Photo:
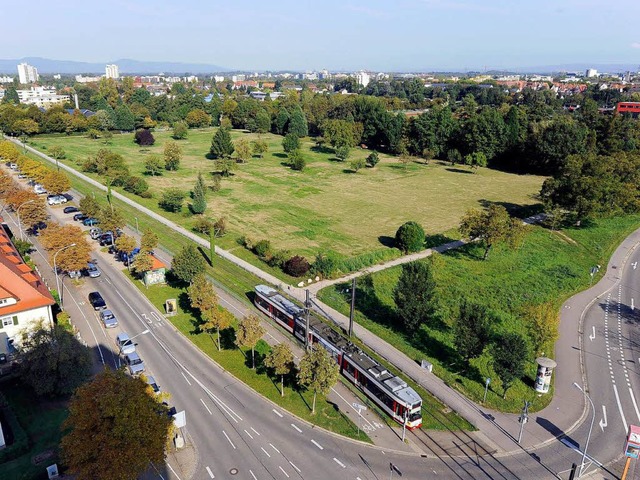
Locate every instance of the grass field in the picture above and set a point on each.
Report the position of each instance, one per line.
(546, 268)
(326, 207)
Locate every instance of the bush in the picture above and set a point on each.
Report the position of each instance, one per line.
(93, 134)
(296, 266)
(246, 242)
(57, 152)
(144, 137)
(217, 181)
(172, 199)
(357, 164)
(342, 153)
(20, 443)
(203, 224)
(136, 185)
(325, 266)
(180, 130)
(279, 258)
(410, 237)
(220, 227)
(373, 159)
(263, 249)
(297, 160)
(290, 143)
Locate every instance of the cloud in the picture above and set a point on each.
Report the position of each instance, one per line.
(635, 45)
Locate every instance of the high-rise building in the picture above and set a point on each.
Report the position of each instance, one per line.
(363, 78)
(27, 73)
(591, 72)
(111, 71)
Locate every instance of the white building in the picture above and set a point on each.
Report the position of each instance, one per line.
(238, 78)
(363, 78)
(111, 71)
(218, 78)
(591, 72)
(27, 73)
(6, 79)
(44, 97)
(82, 79)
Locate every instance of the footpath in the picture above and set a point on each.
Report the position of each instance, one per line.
(497, 431)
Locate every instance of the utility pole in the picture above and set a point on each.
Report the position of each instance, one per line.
(307, 304)
(353, 306)
(523, 418)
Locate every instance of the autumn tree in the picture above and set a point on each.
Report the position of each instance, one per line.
(318, 372)
(114, 428)
(172, 155)
(52, 361)
(202, 294)
(32, 212)
(218, 319)
(280, 359)
(8, 150)
(243, 150)
(198, 118)
(188, 263)
(89, 206)
(260, 147)
(126, 244)
(56, 182)
(149, 240)
(56, 236)
(492, 227)
(248, 333)
(110, 219)
(542, 322)
(143, 262)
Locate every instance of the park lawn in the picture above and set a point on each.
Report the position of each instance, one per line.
(547, 268)
(42, 420)
(326, 207)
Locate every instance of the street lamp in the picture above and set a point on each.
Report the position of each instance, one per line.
(55, 272)
(144, 332)
(584, 453)
(18, 213)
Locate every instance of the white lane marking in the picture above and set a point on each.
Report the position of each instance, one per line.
(265, 452)
(339, 462)
(156, 316)
(593, 335)
(274, 448)
(624, 421)
(255, 431)
(174, 472)
(250, 436)
(573, 446)
(144, 315)
(254, 477)
(603, 421)
(185, 377)
(317, 444)
(287, 475)
(635, 405)
(292, 464)
(228, 439)
(294, 426)
(210, 473)
(634, 264)
(277, 413)
(205, 406)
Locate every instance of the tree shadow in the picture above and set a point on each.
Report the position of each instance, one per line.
(515, 209)
(228, 339)
(369, 304)
(458, 170)
(387, 241)
(436, 240)
(322, 149)
(280, 155)
(349, 171)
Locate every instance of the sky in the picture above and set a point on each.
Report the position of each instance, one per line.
(392, 35)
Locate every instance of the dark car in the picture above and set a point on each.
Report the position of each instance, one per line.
(96, 301)
(34, 229)
(70, 209)
(90, 222)
(106, 239)
(80, 217)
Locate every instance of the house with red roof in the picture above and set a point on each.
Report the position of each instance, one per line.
(24, 298)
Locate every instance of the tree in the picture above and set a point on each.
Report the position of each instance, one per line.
(248, 333)
(262, 121)
(172, 156)
(125, 120)
(26, 126)
(57, 152)
(373, 159)
(298, 123)
(126, 244)
(221, 144)
(217, 319)
(136, 185)
(297, 160)
(89, 206)
(153, 165)
(142, 262)
(180, 130)
(296, 266)
(290, 143)
(280, 359)
(199, 204)
(110, 219)
(492, 227)
(52, 361)
(33, 213)
(149, 240)
(471, 330)
(243, 150)
(475, 160)
(281, 121)
(414, 295)
(198, 118)
(55, 237)
(357, 164)
(542, 325)
(260, 147)
(410, 237)
(188, 263)
(144, 137)
(172, 199)
(510, 353)
(318, 372)
(342, 153)
(114, 429)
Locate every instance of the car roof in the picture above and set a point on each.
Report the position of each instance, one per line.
(133, 355)
(106, 312)
(122, 336)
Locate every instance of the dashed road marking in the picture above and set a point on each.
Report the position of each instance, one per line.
(317, 444)
(210, 473)
(277, 413)
(265, 452)
(339, 462)
(255, 431)
(292, 464)
(185, 377)
(250, 436)
(294, 426)
(287, 475)
(205, 406)
(228, 439)
(274, 448)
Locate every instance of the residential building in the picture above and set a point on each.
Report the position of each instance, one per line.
(238, 78)
(83, 79)
(591, 73)
(363, 78)
(24, 298)
(112, 71)
(6, 79)
(44, 97)
(1, 93)
(27, 73)
(218, 78)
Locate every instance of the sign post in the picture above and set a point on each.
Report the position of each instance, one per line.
(523, 418)
(393, 468)
(360, 409)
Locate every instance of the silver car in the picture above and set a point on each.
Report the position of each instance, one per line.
(125, 344)
(109, 319)
(134, 363)
(93, 271)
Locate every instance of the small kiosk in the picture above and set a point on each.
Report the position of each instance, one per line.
(543, 378)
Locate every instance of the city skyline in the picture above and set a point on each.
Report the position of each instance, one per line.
(408, 35)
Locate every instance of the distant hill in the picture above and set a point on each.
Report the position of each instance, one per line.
(127, 66)
(581, 67)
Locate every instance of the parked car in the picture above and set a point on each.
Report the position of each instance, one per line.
(92, 270)
(13, 166)
(126, 259)
(96, 301)
(35, 228)
(22, 176)
(95, 232)
(70, 210)
(109, 319)
(134, 363)
(107, 239)
(56, 199)
(125, 344)
(39, 189)
(74, 273)
(152, 383)
(90, 222)
(80, 217)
